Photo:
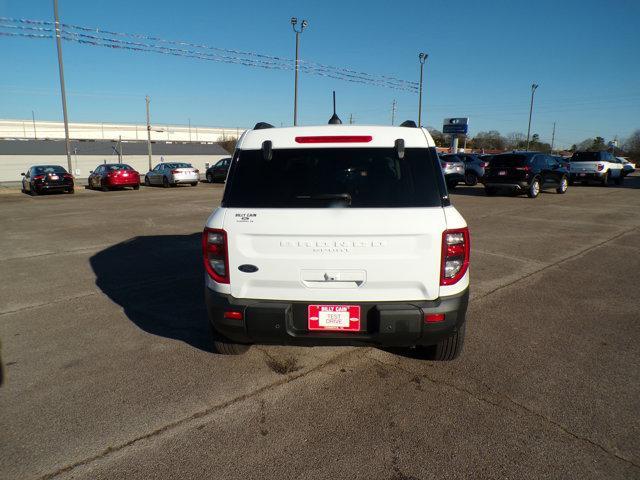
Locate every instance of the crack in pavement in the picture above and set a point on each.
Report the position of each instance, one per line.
(520, 407)
(200, 414)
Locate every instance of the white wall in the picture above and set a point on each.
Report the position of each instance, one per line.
(12, 165)
(111, 131)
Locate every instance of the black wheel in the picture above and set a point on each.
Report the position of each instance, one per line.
(619, 180)
(224, 346)
(209, 178)
(470, 179)
(194, 184)
(564, 184)
(71, 190)
(448, 348)
(165, 182)
(104, 188)
(605, 180)
(490, 191)
(534, 188)
(147, 183)
(33, 192)
(136, 187)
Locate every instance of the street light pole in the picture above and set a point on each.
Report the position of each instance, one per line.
(533, 91)
(148, 132)
(423, 58)
(303, 25)
(64, 95)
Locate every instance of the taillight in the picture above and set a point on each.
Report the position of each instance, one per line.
(68, 175)
(174, 171)
(600, 167)
(215, 254)
(196, 171)
(38, 177)
(444, 164)
(484, 165)
(433, 317)
(456, 245)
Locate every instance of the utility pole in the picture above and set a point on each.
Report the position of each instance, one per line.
(533, 91)
(33, 117)
(303, 25)
(351, 119)
(119, 148)
(189, 129)
(553, 136)
(148, 132)
(62, 90)
(423, 58)
(393, 112)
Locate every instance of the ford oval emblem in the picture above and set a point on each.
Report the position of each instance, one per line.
(248, 268)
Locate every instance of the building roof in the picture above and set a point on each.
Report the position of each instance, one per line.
(105, 147)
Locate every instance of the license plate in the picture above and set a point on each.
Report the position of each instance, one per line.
(583, 174)
(344, 318)
(502, 172)
(54, 177)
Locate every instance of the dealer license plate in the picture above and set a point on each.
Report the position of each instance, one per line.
(502, 172)
(344, 318)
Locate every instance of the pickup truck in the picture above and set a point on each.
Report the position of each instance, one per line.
(595, 166)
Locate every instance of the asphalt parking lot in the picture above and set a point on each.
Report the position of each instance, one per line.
(109, 373)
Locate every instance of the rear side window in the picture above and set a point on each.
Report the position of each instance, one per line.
(586, 157)
(334, 177)
(509, 160)
(178, 165)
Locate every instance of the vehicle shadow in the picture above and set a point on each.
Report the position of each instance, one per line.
(476, 191)
(158, 281)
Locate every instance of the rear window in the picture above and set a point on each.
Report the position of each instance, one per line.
(50, 169)
(509, 160)
(451, 158)
(586, 157)
(179, 165)
(333, 177)
(120, 166)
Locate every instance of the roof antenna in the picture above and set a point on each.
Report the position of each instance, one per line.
(334, 120)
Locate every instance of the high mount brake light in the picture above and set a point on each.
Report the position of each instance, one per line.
(335, 139)
(456, 246)
(215, 254)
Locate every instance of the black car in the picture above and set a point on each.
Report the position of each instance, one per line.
(525, 172)
(218, 172)
(47, 178)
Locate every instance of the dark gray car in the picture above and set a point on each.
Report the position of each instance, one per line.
(474, 168)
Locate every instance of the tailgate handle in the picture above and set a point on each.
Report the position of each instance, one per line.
(333, 278)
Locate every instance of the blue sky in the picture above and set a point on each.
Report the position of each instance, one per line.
(483, 57)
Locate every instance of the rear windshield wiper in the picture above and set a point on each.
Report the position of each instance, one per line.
(327, 196)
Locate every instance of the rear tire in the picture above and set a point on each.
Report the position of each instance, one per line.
(33, 192)
(165, 182)
(448, 348)
(194, 184)
(209, 178)
(490, 191)
(71, 191)
(104, 188)
(605, 180)
(470, 179)
(619, 180)
(136, 187)
(223, 346)
(147, 183)
(564, 184)
(534, 188)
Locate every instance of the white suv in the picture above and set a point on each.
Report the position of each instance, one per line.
(337, 234)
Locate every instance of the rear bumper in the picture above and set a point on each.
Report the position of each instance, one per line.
(122, 182)
(190, 179)
(51, 188)
(587, 176)
(384, 323)
(514, 184)
(454, 177)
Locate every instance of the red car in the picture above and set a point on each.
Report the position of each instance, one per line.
(114, 175)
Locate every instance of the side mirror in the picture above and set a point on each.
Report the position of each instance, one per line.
(90, 172)
(22, 174)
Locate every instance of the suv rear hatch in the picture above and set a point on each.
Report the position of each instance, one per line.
(508, 168)
(334, 224)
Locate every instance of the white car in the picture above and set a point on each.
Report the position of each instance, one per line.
(595, 166)
(337, 234)
(172, 174)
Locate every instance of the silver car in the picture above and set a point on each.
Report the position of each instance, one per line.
(172, 174)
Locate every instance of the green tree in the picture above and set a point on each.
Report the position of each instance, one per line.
(598, 145)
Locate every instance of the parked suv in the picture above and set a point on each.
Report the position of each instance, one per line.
(596, 166)
(337, 234)
(525, 172)
(453, 169)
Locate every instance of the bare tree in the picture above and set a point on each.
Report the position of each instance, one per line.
(516, 141)
(228, 143)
